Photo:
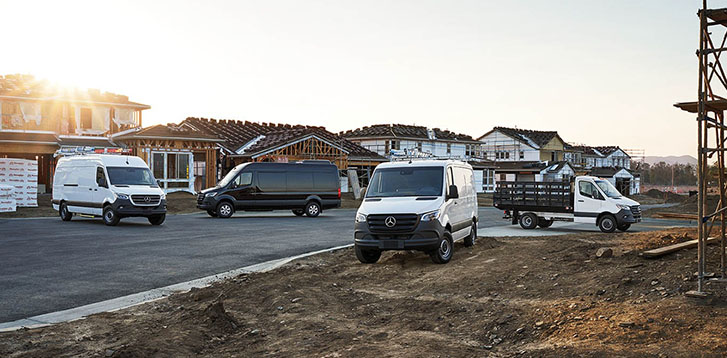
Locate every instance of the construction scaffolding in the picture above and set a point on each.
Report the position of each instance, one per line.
(710, 107)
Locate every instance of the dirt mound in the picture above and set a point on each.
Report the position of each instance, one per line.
(526, 296)
(652, 240)
(219, 318)
(667, 196)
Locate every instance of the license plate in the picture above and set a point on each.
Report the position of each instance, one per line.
(392, 244)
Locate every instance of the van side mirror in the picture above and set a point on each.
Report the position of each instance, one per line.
(453, 192)
(101, 182)
(159, 183)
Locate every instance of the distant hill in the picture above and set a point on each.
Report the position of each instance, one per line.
(672, 159)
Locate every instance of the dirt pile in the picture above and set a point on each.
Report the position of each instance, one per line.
(528, 297)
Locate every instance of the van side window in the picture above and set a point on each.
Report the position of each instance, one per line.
(325, 180)
(243, 179)
(299, 181)
(586, 188)
(100, 177)
(271, 181)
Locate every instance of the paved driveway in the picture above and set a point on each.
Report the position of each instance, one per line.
(48, 265)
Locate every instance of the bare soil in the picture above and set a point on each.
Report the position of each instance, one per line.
(529, 297)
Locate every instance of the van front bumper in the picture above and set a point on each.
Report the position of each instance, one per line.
(124, 208)
(207, 203)
(625, 216)
(424, 237)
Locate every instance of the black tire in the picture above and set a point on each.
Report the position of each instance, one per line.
(110, 217)
(64, 213)
(298, 212)
(367, 256)
(312, 209)
(225, 209)
(544, 223)
(469, 240)
(157, 219)
(443, 253)
(624, 227)
(607, 224)
(212, 213)
(528, 221)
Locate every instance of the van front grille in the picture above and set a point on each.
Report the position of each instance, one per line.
(401, 222)
(145, 200)
(636, 211)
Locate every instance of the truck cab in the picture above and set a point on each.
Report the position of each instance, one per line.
(585, 199)
(598, 202)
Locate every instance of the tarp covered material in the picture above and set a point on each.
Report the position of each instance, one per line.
(22, 175)
(123, 116)
(31, 112)
(100, 118)
(7, 199)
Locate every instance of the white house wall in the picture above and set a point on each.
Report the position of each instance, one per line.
(436, 148)
(618, 159)
(496, 142)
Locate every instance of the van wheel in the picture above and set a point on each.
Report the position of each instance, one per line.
(528, 221)
(469, 241)
(367, 256)
(313, 209)
(212, 213)
(157, 219)
(110, 217)
(64, 213)
(225, 209)
(544, 223)
(624, 227)
(443, 253)
(607, 224)
(298, 212)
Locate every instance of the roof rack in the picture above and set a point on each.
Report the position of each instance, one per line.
(84, 150)
(409, 154)
(314, 161)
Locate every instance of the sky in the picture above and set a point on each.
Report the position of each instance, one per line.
(598, 72)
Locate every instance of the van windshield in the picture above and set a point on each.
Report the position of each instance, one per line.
(417, 181)
(608, 189)
(130, 176)
(231, 175)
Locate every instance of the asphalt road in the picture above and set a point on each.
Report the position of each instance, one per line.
(47, 265)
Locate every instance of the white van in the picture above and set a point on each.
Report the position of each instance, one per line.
(417, 205)
(585, 199)
(110, 186)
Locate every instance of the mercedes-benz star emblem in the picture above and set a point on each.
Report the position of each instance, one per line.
(390, 221)
(147, 199)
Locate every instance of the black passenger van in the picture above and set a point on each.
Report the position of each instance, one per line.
(305, 188)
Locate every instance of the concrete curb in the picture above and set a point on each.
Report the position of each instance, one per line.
(119, 303)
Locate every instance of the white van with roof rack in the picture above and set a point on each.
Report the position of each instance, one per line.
(108, 186)
(422, 205)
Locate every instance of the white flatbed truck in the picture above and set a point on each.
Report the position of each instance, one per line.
(584, 199)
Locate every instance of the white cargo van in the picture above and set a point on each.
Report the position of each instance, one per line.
(420, 205)
(108, 186)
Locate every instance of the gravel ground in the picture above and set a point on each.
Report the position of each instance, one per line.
(529, 297)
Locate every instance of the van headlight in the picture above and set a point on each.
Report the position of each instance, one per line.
(623, 207)
(122, 196)
(211, 194)
(163, 196)
(431, 216)
(360, 218)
